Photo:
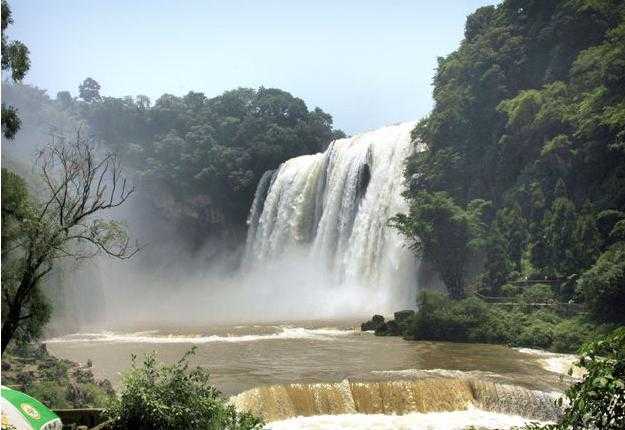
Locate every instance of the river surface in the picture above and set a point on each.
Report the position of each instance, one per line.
(241, 357)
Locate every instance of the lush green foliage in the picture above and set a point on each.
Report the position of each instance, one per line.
(529, 116)
(18, 211)
(603, 286)
(474, 320)
(209, 152)
(14, 59)
(441, 231)
(173, 397)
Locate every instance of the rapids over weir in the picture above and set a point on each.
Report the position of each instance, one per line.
(399, 397)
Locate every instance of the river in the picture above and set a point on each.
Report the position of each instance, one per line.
(241, 357)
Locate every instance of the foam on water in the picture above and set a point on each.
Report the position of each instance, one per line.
(555, 362)
(431, 421)
(448, 373)
(324, 334)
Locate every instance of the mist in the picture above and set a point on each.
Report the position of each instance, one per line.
(180, 278)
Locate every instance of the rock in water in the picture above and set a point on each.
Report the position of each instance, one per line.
(374, 324)
(391, 328)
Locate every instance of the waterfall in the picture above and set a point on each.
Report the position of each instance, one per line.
(279, 402)
(331, 210)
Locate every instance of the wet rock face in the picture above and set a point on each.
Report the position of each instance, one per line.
(373, 324)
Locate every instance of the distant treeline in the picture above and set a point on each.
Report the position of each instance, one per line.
(524, 172)
(206, 154)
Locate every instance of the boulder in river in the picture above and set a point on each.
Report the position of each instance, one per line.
(391, 328)
(373, 324)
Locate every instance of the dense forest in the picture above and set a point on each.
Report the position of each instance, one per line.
(198, 158)
(523, 177)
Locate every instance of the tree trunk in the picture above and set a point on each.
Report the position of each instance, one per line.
(14, 316)
(10, 325)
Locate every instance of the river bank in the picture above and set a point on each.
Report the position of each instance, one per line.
(59, 383)
(522, 322)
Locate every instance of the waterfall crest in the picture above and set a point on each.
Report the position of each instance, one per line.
(279, 402)
(331, 209)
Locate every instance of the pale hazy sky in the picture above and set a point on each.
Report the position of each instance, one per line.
(368, 63)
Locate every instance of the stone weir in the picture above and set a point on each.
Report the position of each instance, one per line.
(279, 402)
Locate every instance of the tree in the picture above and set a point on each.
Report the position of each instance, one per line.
(65, 99)
(16, 209)
(79, 187)
(530, 104)
(89, 90)
(443, 233)
(560, 226)
(603, 285)
(14, 58)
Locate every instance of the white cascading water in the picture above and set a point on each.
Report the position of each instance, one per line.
(330, 211)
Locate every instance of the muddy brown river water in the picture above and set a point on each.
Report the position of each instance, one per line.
(241, 357)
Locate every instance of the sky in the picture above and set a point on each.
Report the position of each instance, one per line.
(368, 63)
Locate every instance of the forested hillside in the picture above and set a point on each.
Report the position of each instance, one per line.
(198, 159)
(524, 172)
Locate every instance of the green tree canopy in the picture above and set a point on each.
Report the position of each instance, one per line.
(14, 59)
(529, 114)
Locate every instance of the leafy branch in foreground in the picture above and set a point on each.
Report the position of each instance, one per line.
(172, 397)
(598, 401)
(78, 187)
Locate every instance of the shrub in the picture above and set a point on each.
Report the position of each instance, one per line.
(546, 315)
(603, 286)
(509, 290)
(570, 334)
(598, 401)
(440, 318)
(50, 393)
(538, 334)
(473, 320)
(172, 397)
(95, 396)
(500, 326)
(539, 293)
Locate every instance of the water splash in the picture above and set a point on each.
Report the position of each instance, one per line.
(556, 362)
(152, 337)
(456, 420)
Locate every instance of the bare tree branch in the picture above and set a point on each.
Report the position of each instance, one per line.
(80, 187)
